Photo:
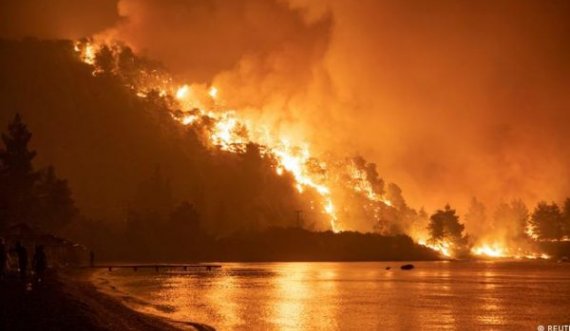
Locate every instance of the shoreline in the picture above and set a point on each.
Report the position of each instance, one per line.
(68, 300)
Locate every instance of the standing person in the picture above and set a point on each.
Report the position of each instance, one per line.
(22, 253)
(3, 259)
(39, 262)
(91, 259)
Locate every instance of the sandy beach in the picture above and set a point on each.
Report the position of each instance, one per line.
(68, 301)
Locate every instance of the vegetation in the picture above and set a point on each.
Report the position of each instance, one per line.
(547, 221)
(444, 227)
(109, 143)
(38, 197)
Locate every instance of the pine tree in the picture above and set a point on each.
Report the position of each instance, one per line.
(17, 175)
(26, 195)
(444, 226)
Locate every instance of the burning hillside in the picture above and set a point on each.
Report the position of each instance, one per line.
(238, 170)
(338, 193)
(201, 108)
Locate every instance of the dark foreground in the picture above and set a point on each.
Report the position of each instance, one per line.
(67, 302)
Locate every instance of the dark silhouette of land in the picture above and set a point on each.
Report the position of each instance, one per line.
(69, 302)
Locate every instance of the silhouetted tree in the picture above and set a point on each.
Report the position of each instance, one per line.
(26, 195)
(394, 194)
(371, 174)
(56, 206)
(566, 218)
(17, 175)
(546, 221)
(444, 226)
(104, 59)
(127, 64)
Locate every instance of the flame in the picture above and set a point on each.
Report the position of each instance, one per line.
(230, 132)
(361, 185)
(489, 250)
(87, 51)
(182, 92)
(503, 250)
(443, 247)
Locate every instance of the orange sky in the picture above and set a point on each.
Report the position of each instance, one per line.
(450, 98)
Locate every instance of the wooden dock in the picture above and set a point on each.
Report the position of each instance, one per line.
(156, 267)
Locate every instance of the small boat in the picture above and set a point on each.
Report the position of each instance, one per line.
(407, 267)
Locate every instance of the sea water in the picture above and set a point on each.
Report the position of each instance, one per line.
(466, 295)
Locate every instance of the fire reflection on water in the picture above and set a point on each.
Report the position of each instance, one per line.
(291, 286)
(309, 296)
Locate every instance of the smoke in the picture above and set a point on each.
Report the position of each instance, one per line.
(56, 19)
(452, 99)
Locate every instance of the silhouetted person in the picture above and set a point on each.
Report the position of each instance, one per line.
(3, 258)
(39, 263)
(22, 253)
(92, 258)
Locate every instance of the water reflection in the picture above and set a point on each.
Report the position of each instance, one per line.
(332, 296)
(221, 295)
(291, 294)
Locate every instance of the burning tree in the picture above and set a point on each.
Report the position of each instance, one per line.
(445, 230)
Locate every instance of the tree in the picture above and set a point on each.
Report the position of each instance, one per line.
(476, 217)
(56, 206)
(104, 59)
(520, 214)
(546, 221)
(444, 226)
(394, 195)
(26, 195)
(566, 218)
(17, 175)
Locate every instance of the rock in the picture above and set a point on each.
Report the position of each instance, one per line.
(407, 267)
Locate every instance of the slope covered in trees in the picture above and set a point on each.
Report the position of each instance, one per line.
(105, 140)
(29, 195)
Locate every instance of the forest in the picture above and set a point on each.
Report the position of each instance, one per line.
(115, 173)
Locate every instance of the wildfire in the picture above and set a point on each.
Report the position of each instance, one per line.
(86, 52)
(501, 250)
(443, 247)
(182, 92)
(489, 250)
(213, 92)
(229, 132)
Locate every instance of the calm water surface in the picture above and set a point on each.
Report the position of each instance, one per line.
(353, 296)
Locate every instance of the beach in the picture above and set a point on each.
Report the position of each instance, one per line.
(68, 301)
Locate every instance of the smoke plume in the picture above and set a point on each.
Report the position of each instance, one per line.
(452, 99)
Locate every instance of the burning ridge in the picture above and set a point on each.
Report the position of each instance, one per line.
(346, 191)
